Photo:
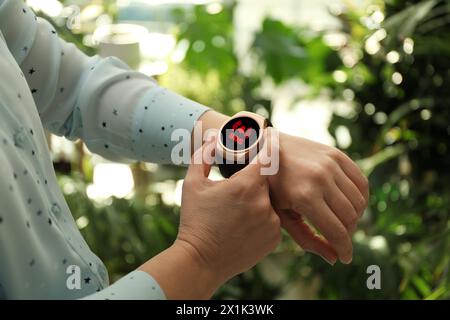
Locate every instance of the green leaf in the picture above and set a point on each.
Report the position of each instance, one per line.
(404, 23)
(421, 285)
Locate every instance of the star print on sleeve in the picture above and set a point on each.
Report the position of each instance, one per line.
(137, 285)
(119, 91)
(117, 111)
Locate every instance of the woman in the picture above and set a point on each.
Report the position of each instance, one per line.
(226, 227)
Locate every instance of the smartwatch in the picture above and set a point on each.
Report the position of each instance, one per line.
(240, 139)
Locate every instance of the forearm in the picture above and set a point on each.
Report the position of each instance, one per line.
(181, 273)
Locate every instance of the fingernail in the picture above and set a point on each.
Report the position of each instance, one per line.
(347, 261)
(331, 262)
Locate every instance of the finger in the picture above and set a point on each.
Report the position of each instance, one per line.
(252, 177)
(351, 192)
(269, 153)
(326, 222)
(305, 237)
(252, 172)
(209, 155)
(343, 208)
(200, 165)
(354, 173)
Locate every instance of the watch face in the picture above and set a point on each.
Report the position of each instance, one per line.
(240, 133)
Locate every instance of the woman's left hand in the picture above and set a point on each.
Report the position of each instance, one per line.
(323, 185)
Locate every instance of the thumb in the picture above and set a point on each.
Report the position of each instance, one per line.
(254, 170)
(252, 173)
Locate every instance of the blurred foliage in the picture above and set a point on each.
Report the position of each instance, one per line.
(286, 53)
(394, 73)
(401, 128)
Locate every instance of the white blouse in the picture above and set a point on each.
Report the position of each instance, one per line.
(117, 112)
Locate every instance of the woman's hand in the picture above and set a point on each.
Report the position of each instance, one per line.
(326, 187)
(317, 183)
(226, 227)
(229, 225)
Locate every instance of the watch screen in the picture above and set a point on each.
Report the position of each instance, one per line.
(240, 133)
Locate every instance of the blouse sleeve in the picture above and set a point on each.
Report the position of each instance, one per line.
(118, 112)
(32, 246)
(137, 285)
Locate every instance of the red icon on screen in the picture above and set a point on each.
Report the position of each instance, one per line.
(240, 132)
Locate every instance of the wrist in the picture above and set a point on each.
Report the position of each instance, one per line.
(182, 273)
(211, 276)
(277, 182)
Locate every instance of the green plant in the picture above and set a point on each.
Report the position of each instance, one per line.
(403, 106)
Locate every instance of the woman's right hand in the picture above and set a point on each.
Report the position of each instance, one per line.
(228, 225)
